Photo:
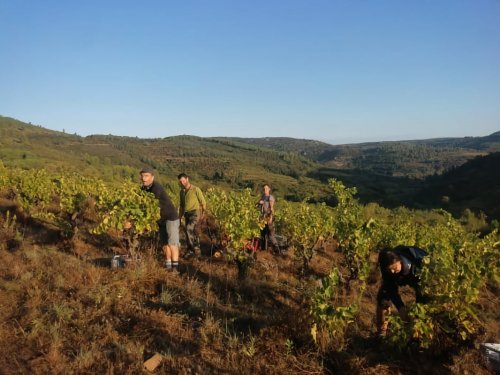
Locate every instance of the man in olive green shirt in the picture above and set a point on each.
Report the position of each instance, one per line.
(192, 208)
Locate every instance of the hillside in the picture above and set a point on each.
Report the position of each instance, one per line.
(474, 185)
(208, 161)
(29, 146)
(388, 173)
(414, 159)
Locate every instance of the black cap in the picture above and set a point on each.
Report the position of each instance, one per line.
(147, 169)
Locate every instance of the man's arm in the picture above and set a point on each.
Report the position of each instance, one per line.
(201, 201)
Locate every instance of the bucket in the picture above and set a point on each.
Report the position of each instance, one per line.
(118, 261)
(491, 352)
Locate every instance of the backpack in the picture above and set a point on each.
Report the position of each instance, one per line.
(414, 254)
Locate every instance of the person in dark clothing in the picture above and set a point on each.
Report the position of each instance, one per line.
(169, 218)
(399, 266)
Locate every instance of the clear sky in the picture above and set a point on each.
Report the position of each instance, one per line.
(335, 70)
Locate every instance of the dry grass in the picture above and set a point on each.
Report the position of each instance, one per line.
(64, 310)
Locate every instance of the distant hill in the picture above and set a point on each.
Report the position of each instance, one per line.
(411, 173)
(415, 159)
(474, 185)
(209, 161)
(310, 149)
(30, 146)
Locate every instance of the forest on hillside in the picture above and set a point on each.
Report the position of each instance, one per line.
(415, 174)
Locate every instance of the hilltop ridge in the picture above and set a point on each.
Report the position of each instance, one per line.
(390, 173)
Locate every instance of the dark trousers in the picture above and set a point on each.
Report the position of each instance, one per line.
(266, 236)
(192, 239)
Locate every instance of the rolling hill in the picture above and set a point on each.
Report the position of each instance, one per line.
(474, 185)
(209, 161)
(414, 159)
(453, 173)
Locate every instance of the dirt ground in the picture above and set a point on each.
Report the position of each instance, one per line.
(64, 309)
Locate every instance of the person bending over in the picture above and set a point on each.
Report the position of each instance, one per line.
(169, 218)
(399, 266)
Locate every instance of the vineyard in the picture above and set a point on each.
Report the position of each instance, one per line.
(310, 311)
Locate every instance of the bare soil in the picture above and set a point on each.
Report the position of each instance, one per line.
(64, 310)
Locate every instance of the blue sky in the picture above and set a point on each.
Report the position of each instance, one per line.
(340, 71)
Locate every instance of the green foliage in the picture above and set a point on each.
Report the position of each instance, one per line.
(129, 210)
(459, 265)
(473, 222)
(304, 225)
(239, 221)
(65, 198)
(457, 268)
(328, 313)
(400, 228)
(128, 204)
(296, 168)
(75, 196)
(4, 180)
(351, 231)
(33, 189)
